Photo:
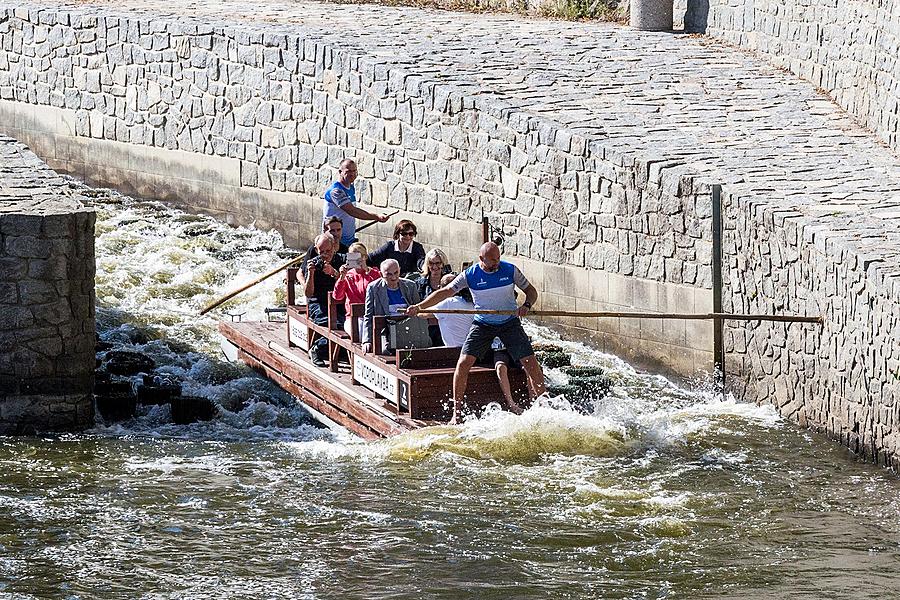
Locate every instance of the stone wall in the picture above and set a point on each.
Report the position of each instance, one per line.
(842, 378)
(849, 48)
(46, 298)
(248, 122)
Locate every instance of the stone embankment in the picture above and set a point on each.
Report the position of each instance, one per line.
(46, 298)
(592, 147)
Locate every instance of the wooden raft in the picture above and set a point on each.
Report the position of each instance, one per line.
(371, 394)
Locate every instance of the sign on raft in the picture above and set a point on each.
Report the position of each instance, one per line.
(375, 378)
(298, 334)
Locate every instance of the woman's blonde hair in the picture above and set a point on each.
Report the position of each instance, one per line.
(432, 254)
(361, 248)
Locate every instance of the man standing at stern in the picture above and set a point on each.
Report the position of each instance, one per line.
(340, 201)
(492, 283)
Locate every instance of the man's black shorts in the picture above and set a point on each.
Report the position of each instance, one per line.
(482, 335)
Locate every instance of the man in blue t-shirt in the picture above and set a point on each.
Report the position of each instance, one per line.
(492, 283)
(340, 201)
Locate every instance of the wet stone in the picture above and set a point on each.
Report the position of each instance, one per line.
(116, 400)
(190, 409)
(123, 362)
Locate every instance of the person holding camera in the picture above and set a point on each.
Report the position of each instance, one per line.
(321, 273)
(353, 279)
(330, 225)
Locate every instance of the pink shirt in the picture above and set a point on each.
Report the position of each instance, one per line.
(352, 288)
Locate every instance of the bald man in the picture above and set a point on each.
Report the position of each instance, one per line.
(492, 283)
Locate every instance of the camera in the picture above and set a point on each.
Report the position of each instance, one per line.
(317, 263)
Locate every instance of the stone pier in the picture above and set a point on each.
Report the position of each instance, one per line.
(46, 298)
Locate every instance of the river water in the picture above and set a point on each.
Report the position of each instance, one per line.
(662, 492)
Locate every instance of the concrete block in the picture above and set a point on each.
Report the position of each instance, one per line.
(621, 290)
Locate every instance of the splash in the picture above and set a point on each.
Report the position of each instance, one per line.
(156, 268)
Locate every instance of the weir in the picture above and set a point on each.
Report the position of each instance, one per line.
(594, 149)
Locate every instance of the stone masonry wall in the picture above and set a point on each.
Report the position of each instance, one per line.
(289, 108)
(849, 48)
(46, 299)
(842, 378)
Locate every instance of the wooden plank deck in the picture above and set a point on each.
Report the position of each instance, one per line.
(264, 347)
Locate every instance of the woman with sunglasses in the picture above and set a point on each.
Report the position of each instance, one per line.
(434, 267)
(404, 249)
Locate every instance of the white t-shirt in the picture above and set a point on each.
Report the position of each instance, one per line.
(454, 328)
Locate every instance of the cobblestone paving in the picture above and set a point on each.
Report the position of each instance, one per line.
(27, 185)
(680, 102)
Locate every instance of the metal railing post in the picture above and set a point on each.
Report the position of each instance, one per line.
(718, 330)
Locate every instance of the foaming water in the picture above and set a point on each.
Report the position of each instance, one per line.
(659, 491)
(157, 267)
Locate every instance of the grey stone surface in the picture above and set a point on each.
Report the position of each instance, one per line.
(590, 145)
(46, 333)
(851, 48)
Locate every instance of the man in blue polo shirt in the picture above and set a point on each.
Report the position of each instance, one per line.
(492, 283)
(340, 201)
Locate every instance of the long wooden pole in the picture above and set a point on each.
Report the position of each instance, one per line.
(268, 274)
(263, 277)
(370, 223)
(632, 315)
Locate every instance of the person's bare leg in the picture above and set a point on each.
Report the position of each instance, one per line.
(503, 377)
(460, 381)
(535, 376)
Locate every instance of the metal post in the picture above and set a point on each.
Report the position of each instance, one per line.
(718, 334)
(485, 230)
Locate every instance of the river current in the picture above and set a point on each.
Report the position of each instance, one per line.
(662, 492)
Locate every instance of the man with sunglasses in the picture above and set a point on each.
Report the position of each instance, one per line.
(340, 201)
(409, 253)
(492, 283)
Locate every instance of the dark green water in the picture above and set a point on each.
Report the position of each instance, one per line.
(661, 493)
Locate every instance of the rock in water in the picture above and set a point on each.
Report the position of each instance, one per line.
(157, 390)
(553, 360)
(122, 362)
(188, 409)
(116, 400)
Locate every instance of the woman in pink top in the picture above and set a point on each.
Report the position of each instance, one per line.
(353, 279)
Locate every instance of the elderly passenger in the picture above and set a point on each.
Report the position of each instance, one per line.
(435, 266)
(330, 225)
(389, 295)
(321, 274)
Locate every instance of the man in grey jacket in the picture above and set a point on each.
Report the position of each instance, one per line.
(387, 296)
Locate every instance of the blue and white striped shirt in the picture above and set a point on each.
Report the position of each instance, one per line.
(492, 291)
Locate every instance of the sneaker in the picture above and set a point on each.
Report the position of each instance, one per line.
(314, 357)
